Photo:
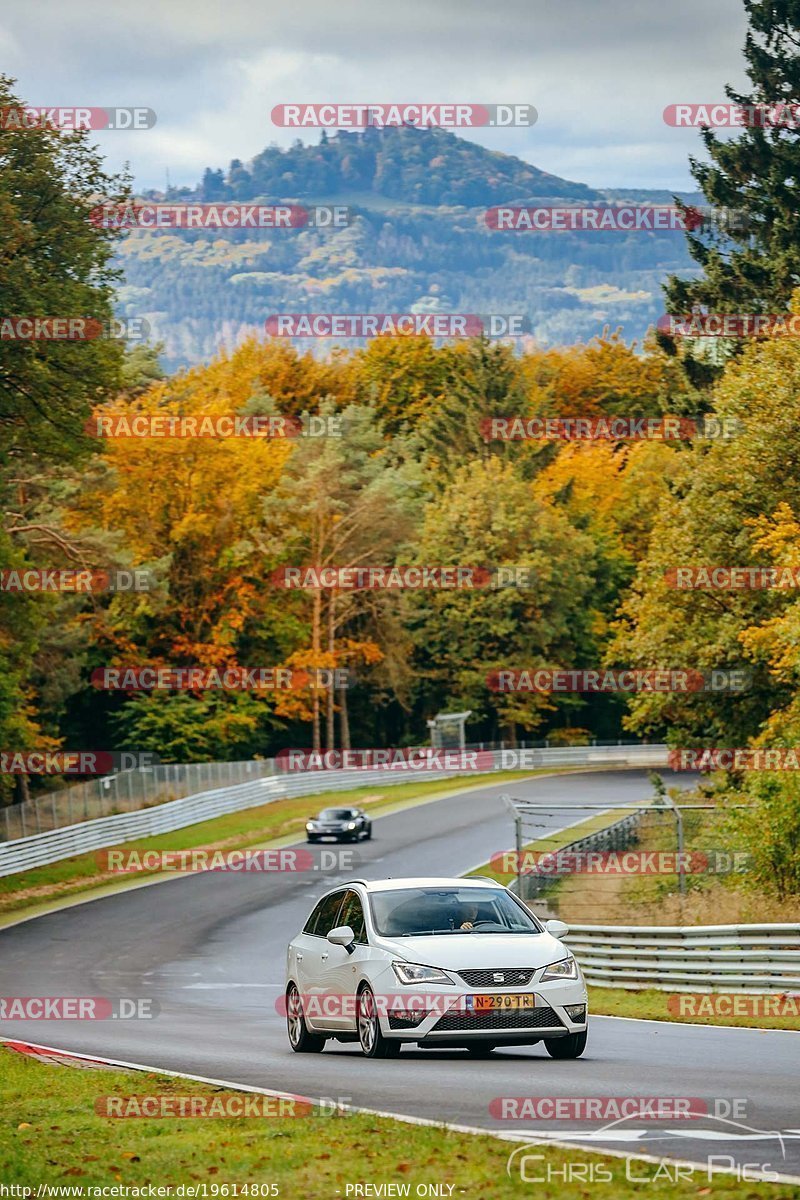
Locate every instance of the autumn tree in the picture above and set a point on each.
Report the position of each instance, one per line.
(489, 517)
(54, 262)
(341, 502)
(722, 494)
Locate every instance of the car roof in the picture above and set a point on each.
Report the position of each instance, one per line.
(424, 881)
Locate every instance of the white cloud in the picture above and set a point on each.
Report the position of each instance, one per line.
(600, 74)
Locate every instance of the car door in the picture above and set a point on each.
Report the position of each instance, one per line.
(342, 970)
(309, 953)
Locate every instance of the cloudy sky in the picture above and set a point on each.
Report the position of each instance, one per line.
(600, 73)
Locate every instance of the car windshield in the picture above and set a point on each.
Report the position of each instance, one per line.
(335, 814)
(409, 912)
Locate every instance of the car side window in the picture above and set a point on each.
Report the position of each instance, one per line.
(324, 916)
(352, 914)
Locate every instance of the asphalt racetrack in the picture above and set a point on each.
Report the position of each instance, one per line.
(209, 949)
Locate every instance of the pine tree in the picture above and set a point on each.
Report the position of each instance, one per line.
(752, 264)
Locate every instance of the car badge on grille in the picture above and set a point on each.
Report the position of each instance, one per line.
(499, 977)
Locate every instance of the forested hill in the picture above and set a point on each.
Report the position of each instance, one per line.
(418, 241)
(414, 166)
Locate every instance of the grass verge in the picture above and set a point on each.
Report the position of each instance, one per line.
(652, 1005)
(50, 1134)
(282, 820)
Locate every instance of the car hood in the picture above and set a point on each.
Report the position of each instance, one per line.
(457, 951)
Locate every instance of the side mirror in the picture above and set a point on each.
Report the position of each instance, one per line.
(343, 935)
(556, 929)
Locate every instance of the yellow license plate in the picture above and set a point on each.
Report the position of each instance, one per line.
(501, 1000)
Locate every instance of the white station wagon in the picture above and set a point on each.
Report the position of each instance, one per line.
(439, 962)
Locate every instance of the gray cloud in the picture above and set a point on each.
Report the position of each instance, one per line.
(600, 74)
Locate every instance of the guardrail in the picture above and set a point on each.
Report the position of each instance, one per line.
(40, 849)
(700, 958)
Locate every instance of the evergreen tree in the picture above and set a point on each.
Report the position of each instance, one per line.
(752, 264)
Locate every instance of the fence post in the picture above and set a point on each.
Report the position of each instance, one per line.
(679, 832)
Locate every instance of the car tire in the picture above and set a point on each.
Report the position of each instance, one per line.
(370, 1038)
(480, 1049)
(571, 1046)
(368, 834)
(300, 1039)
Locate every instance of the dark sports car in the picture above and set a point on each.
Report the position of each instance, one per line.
(340, 825)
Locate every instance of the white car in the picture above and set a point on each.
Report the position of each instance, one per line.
(439, 962)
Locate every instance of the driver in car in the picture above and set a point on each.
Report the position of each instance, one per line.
(470, 912)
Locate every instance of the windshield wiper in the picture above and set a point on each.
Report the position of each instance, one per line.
(426, 933)
(503, 931)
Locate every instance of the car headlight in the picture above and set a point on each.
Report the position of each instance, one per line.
(414, 973)
(565, 968)
(310, 825)
(352, 825)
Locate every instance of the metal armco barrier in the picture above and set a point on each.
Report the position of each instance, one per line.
(700, 958)
(23, 854)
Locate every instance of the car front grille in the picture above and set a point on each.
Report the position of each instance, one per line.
(498, 1018)
(512, 977)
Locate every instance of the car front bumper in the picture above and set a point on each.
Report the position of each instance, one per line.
(448, 1021)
